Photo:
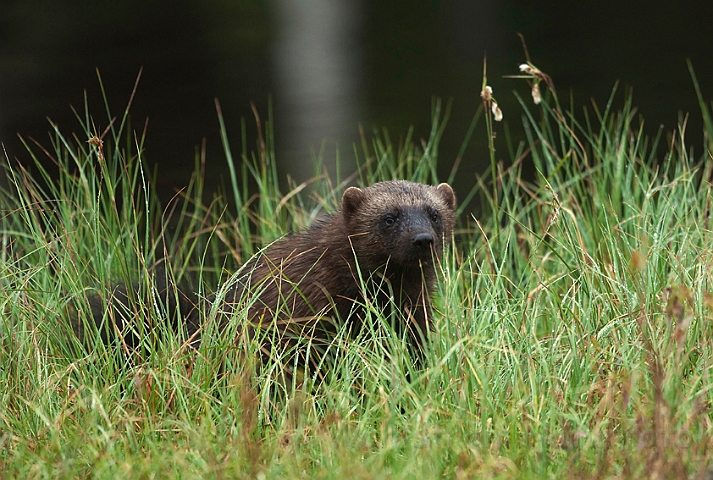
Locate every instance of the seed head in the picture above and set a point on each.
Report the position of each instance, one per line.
(488, 101)
(536, 93)
(497, 113)
(525, 68)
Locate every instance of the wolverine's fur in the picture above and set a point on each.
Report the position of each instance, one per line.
(381, 245)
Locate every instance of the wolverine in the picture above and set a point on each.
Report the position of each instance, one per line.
(378, 250)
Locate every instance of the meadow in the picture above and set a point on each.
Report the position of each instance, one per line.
(572, 334)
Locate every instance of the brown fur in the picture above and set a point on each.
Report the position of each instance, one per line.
(385, 237)
(381, 244)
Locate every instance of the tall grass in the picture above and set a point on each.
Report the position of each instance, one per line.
(571, 340)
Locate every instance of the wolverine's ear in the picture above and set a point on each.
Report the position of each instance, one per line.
(446, 193)
(351, 201)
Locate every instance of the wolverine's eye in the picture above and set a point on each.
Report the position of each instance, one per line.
(434, 215)
(389, 220)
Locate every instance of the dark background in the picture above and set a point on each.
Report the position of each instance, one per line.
(330, 65)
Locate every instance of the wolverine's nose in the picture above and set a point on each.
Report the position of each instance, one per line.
(423, 240)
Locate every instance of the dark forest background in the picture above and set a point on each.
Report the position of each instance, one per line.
(329, 66)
